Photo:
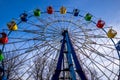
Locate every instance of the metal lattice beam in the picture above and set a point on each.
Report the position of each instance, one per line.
(71, 56)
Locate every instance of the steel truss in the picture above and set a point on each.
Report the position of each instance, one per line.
(71, 56)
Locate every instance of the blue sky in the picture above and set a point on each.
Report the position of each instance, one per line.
(108, 10)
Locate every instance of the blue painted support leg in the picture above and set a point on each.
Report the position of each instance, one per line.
(59, 64)
(77, 64)
(69, 58)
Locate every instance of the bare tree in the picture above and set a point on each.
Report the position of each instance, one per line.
(11, 66)
(43, 68)
(38, 69)
(92, 74)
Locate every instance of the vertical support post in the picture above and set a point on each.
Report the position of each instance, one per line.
(69, 57)
(59, 64)
(63, 68)
(77, 64)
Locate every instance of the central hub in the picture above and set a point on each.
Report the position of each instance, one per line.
(64, 31)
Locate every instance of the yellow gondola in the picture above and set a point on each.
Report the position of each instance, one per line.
(111, 33)
(63, 10)
(12, 25)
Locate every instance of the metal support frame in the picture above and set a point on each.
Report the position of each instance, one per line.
(59, 64)
(71, 56)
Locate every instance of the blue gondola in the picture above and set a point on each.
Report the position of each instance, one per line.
(76, 12)
(118, 46)
(23, 17)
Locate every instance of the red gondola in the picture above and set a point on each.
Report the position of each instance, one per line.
(50, 10)
(4, 38)
(100, 24)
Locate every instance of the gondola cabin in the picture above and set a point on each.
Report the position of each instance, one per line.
(12, 25)
(50, 10)
(111, 33)
(118, 46)
(100, 24)
(23, 17)
(37, 12)
(76, 12)
(1, 55)
(88, 17)
(63, 10)
(3, 38)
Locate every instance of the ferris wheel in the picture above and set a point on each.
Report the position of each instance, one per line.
(59, 44)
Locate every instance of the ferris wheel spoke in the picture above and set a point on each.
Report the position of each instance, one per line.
(43, 55)
(96, 36)
(32, 57)
(106, 68)
(100, 54)
(93, 62)
(97, 63)
(102, 60)
(90, 30)
(52, 46)
(78, 39)
(20, 40)
(43, 21)
(33, 25)
(25, 52)
(89, 70)
(33, 31)
(27, 70)
(106, 46)
(96, 50)
(90, 35)
(71, 20)
(82, 51)
(108, 55)
(16, 74)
